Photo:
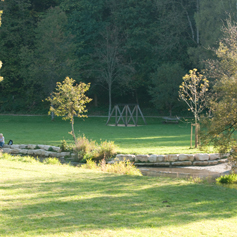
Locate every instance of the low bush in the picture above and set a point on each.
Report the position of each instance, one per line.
(90, 164)
(64, 146)
(227, 179)
(85, 149)
(124, 167)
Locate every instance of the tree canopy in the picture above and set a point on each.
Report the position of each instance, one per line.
(69, 100)
(221, 125)
(118, 46)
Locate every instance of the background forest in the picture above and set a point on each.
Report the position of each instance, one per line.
(130, 51)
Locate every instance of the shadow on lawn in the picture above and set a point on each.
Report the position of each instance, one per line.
(111, 202)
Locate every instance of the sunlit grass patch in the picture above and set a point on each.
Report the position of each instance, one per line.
(153, 138)
(50, 200)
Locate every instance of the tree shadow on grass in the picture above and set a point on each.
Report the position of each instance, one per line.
(111, 202)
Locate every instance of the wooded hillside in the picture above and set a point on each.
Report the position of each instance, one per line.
(130, 51)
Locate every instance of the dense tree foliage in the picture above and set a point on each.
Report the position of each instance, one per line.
(123, 48)
(69, 100)
(221, 124)
(166, 97)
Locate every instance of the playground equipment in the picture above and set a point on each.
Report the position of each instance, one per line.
(125, 113)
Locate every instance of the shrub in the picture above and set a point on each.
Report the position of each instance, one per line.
(83, 146)
(90, 164)
(227, 179)
(106, 150)
(124, 167)
(64, 146)
(86, 149)
(51, 149)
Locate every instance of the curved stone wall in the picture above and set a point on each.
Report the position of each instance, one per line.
(201, 159)
(36, 150)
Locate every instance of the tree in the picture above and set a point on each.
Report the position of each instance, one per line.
(69, 101)
(16, 32)
(1, 78)
(146, 34)
(110, 66)
(51, 57)
(209, 19)
(193, 92)
(165, 84)
(220, 128)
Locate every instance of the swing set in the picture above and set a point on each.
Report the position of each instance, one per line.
(126, 113)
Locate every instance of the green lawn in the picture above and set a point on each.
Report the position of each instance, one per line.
(153, 138)
(50, 200)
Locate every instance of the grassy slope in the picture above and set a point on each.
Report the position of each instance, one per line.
(154, 138)
(47, 200)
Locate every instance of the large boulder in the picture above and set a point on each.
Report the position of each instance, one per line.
(214, 156)
(172, 157)
(15, 151)
(6, 150)
(56, 148)
(201, 157)
(165, 164)
(15, 146)
(181, 163)
(39, 152)
(24, 152)
(213, 162)
(152, 158)
(123, 157)
(161, 158)
(142, 158)
(31, 152)
(200, 163)
(22, 146)
(189, 157)
(31, 146)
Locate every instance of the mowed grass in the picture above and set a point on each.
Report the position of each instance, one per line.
(153, 138)
(51, 200)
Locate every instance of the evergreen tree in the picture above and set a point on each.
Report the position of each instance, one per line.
(51, 58)
(16, 32)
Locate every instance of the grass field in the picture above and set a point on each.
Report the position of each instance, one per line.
(55, 201)
(153, 138)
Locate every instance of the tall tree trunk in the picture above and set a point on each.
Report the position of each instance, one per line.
(198, 39)
(73, 133)
(196, 132)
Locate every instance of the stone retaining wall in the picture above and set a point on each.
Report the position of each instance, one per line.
(36, 150)
(201, 159)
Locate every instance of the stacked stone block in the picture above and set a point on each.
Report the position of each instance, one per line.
(36, 150)
(201, 159)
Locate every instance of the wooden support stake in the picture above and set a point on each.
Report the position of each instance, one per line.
(141, 114)
(191, 136)
(131, 115)
(110, 116)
